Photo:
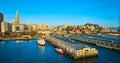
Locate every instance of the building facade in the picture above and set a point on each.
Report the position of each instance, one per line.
(4, 27)
(17, 18)
(1, 17)
(13, 28)
(1, 20)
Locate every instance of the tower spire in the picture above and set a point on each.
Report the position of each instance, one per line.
(17, 18)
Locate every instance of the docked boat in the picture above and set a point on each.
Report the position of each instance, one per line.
(59, 50)
(41, 41)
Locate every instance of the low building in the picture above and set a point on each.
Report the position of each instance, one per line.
(45, 32)
(26, 36)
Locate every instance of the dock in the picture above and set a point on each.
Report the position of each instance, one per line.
(23, 37)
(5, 39)
(102, 42)
(75, 51)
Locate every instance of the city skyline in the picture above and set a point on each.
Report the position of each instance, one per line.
(71, 12)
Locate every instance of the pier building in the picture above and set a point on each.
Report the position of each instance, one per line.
(74, 50)
(103, 42)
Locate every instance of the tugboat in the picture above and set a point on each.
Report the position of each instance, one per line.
(59, 50)
(41, 41)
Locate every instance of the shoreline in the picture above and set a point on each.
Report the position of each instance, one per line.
(7, 39)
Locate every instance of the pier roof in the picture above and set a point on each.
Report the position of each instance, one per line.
(102, 39)
(71, 45)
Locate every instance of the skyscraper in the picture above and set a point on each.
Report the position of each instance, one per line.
(1, 20)
(1, 17)
(17, 18)
(9, 27)
(4, 27)
(29, 27)
(13, 28)
(22, 27)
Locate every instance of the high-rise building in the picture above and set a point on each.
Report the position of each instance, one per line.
(4, 27)
(9, 27)
(1, 20)
(1, 17)
(17, 18)
(13, 28)
(29, 27)
(22, 27)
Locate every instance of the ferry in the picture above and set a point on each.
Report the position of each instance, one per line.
(41, 41)
(59, 50)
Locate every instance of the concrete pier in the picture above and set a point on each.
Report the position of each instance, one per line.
(74, 50)
(98, 41)
(17, 38)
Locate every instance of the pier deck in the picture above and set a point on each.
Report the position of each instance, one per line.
(107, 43)
(74, 50)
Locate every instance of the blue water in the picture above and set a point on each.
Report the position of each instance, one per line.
(30, 52)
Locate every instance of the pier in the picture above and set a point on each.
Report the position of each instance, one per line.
(73, 50)
(4, 39)
(23, 37)
(106, 43)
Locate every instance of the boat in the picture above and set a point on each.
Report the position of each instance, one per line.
(59, 50)
(41, 41)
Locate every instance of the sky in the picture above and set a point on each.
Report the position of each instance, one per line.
(59, 12)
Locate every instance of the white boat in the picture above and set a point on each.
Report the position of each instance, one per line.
(41, 41)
